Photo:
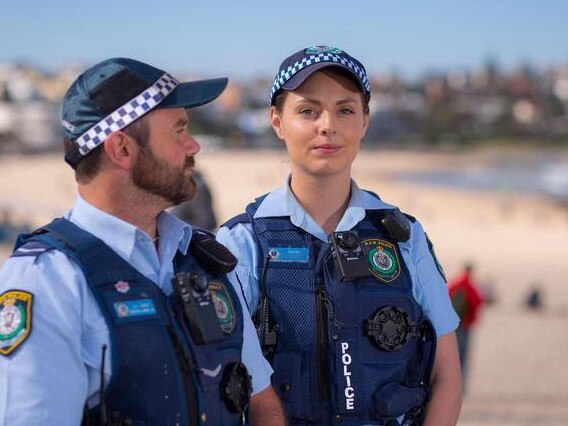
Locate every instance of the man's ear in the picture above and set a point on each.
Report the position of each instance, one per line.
(120, 149)
(276, 122)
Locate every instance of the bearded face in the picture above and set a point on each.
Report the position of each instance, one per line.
(173, 183)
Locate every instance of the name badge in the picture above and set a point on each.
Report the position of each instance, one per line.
(289, 254)
(134, 308)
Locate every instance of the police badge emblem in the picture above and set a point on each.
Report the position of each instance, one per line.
(223, 306)
(383, 259)
(15, 319)
(314, 50)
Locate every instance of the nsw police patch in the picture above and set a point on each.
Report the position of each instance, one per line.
(15, 319)
(383, 259)
(223, 306)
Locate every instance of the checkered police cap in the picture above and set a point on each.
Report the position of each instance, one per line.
(114, 93)
(298, 67)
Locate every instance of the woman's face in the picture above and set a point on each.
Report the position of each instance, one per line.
(322, 123)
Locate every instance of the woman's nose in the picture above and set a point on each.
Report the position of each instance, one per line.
(327, 124)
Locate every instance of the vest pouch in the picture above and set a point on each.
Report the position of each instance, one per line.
(396, 399)
(291, 384)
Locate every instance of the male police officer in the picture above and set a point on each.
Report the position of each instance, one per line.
(121, 292)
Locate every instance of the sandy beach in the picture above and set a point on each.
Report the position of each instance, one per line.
(518, 370)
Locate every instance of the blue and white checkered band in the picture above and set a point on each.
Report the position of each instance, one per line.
(287, 74)
(127, 113)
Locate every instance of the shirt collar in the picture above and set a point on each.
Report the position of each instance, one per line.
(120, 235)
(175, 229)
(282, 202)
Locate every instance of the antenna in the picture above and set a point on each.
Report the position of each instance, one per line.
(102, 402)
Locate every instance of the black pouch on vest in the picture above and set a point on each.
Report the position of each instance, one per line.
(395, 399)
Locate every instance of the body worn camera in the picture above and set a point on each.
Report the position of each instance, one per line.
(349, 255)
(198, 307)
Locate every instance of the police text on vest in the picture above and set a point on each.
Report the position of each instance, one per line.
(349, 392)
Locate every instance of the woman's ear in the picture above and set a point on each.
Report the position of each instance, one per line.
(276, 122)
(119, 148)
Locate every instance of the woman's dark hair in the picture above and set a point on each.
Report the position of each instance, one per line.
(90, 165)
(280, 97)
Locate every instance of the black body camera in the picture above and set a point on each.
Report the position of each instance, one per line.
(349, 256)
(198, 306)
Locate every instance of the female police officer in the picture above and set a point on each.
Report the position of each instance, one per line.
(347, 296)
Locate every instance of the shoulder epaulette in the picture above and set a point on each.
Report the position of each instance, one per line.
(32, 249)
(241, 218)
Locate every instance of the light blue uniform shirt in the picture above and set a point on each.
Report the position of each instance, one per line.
(48, 378)
(429, 288)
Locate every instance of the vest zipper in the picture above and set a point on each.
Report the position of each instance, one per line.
(322, 343)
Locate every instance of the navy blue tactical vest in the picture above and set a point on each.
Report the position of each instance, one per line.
(346, 352)
(161, 374)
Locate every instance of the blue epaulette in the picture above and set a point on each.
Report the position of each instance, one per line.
(31, 248)
(241, 218)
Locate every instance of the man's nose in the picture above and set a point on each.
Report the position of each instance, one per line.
(192, 145)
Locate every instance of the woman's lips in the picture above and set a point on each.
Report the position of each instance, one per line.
(327, 148)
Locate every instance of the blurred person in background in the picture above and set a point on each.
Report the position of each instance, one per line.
(6, 226)
(534, 300)
(133, 319)
(467, 300)
(348, 299)
(198, 211)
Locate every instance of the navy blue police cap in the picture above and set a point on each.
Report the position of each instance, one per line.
(296, 68)
(114, 93)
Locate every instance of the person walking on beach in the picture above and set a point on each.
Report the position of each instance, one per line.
(349, 301)
(120, 313)
(467, 300)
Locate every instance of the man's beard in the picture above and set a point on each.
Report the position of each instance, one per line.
(160, 178)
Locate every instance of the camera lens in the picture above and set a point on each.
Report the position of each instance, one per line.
(198, 282)
(348, 241)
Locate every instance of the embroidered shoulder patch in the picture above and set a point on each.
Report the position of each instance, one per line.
(223, 306)
(15, 319)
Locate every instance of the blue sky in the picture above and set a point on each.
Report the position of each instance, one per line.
(241, 38)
